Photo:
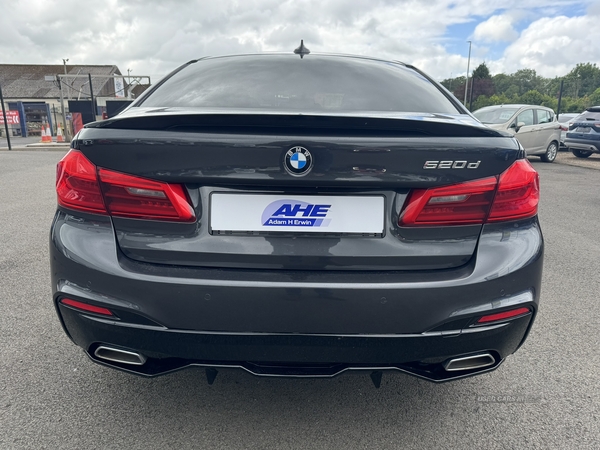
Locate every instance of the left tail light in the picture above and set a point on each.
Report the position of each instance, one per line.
(80, 185)
(77, 184)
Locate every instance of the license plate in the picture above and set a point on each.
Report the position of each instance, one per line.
(583, 129)
(296, 213)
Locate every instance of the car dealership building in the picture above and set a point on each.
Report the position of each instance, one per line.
(33, 99)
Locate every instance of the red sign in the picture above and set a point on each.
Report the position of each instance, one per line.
(12, 116)
(77, 122)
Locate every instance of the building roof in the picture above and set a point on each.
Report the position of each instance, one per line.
(28, 81)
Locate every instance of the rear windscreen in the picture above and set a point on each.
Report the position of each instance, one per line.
(495, 114)
(587, 116)
(289, 83)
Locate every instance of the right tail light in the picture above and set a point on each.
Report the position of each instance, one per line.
(513, 195)
(518, 193)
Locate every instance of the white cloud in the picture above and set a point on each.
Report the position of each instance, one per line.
(152, 37)
(553, 46)
(496, 28)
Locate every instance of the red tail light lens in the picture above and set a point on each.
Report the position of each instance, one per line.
(82, 186)
(458, 204)
(518, 193)
(515, 195)
(77, 184)
(131, 196)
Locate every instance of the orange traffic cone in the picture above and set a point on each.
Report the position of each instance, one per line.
(59, 135)
(46, 135)
(44, 139)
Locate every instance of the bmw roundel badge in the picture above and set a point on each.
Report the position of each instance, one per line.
(298, 161)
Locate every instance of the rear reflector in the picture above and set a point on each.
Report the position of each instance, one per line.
(85, 307)
(504, 315)
(82, 186)
(513, 195)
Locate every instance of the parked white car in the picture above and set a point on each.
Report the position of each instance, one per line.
(535, 127)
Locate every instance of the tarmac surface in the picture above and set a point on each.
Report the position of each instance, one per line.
(19, 143)
(546, 395)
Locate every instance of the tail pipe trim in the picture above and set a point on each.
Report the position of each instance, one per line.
(120, 356)
(472, 362)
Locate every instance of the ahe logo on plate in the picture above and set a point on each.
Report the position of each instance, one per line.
(295, 213)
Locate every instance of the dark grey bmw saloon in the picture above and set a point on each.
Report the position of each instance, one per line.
(296, 215)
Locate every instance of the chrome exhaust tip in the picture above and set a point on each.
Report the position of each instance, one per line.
(470, 362)
(120, 356)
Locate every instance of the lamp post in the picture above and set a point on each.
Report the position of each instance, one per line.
(65, 66)
(468, 67)
(5, 117)
(128, 84)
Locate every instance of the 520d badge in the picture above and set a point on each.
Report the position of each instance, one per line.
(451, 165)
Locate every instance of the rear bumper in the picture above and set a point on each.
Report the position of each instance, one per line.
(294, 355)
(294, 323)
(583, 144)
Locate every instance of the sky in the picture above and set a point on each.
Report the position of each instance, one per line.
(153, 37)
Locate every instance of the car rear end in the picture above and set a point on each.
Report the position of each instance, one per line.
(583, 137)
(565, 121)
(260, 212)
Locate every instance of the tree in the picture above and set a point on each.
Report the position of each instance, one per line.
(499, 99)
(526, 80)
(512, 92)
(452, 83)
(595, 98)
(550, 102)
(581, 88)
(532, 98)
(574, 105)
(482, 101)
(502, 82)
(583, 79)
(482, 72)
(481, 86)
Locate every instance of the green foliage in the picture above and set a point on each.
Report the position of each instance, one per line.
(482, 72)
(499, 99)
(481, 102)
(502, 82)
(550, 102)
(581, 88)
(532, 98)
(452, 83)
(583, 79)
(595, 98)
(512, 92)
(574, 105)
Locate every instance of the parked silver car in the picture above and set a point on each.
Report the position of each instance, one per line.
(535, 127)
(565, 120)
